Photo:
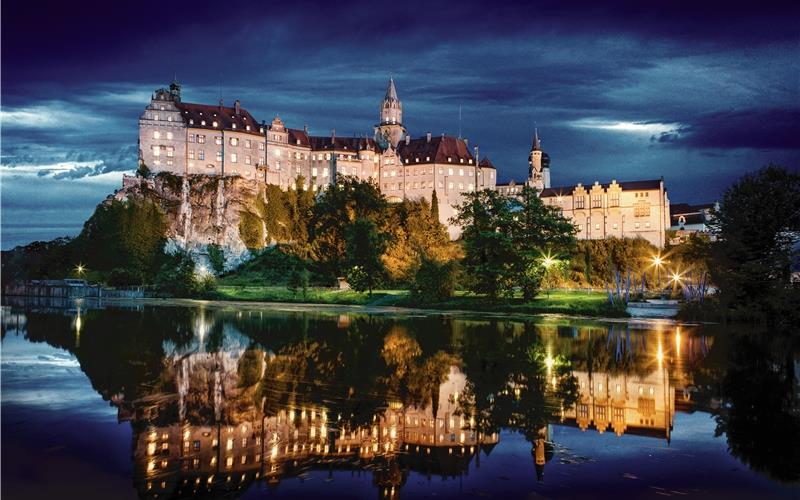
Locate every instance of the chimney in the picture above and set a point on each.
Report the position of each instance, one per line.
(305, 128)
(466, 142)
(237, 106)
(408, 139)
(333, 135)
(428, 137)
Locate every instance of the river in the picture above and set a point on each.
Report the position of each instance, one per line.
(149, 400)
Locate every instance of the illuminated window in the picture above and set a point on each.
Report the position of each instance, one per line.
(247, 160)
(614, 201)
(597, 200)
(201, 139)
(219, 155)
(201, 155)
(641, 209)
(169, 135)
(580, 201)
(218, 140)
(234, 158)
(234, 141)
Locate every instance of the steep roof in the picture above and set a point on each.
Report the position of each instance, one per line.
(340, 143)
(226, 117)
(537, 145)
(391, 92)
(486, 163)
(298, 137)
(625, 186)
(438, 149)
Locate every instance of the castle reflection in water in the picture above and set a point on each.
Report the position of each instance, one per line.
(241, 412)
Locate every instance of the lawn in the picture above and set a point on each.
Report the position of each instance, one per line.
(561, 301)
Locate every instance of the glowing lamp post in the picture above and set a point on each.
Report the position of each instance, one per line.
(80, 269)
(658, 262)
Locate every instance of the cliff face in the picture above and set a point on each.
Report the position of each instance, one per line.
(200, 210)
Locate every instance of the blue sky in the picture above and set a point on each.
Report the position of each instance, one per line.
(696, 92)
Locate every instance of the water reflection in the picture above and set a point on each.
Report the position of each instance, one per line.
(221, 398)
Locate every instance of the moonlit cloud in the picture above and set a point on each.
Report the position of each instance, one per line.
(47, 116)
(647, 128)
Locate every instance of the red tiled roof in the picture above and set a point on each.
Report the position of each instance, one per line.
(486, 163)
(298, 137)
(439, 149)
(224, 116)
(625, 186)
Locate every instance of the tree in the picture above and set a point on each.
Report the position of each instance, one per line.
(298, 281)
(541, 235)
(415, 235)
(336, 209)
(756, 228)
(434, 281)
(216, 257)
(127, 235)
(489, 256)
(434, 206)
(365, 244)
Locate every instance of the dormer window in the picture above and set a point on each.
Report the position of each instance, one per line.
(247, 127)
(449, 159)
(470, 161)
(214, 124)
(203, 123)
(462, 160)
(233, 125)
(191, 121)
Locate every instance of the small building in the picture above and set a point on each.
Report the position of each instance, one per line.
(689, 219)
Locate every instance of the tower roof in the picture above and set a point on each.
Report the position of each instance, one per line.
(537, 146)
(391, 91)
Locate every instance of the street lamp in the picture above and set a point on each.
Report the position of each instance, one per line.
(80, 269)
(658, 262)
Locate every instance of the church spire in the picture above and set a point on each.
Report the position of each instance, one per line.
(537, 146)
(391, 91)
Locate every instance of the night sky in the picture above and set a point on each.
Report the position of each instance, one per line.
(697, 92)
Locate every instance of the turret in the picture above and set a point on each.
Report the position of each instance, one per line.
(538, 165)
(390, 131)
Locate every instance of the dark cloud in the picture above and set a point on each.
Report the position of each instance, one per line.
(750, 128)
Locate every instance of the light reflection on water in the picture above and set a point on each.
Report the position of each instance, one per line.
(247, 400)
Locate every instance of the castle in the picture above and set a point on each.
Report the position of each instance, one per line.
(185, 139)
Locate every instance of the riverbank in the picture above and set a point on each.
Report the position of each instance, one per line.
(579, 303)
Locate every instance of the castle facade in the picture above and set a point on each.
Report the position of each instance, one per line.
(186, 139)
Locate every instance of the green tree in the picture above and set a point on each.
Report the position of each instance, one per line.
(434, 206)
(489, 260)
(756, 228)
(434, 281)
(216, 257)
(541, 234)
(335, 210)
(365, 244)
(128, 235)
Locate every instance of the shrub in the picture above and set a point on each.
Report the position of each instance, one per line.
(216, 257)
(120, 276)
(434, 281)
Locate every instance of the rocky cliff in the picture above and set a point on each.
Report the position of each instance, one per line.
(200, 210)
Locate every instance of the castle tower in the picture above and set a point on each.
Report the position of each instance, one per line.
(390, 131)
(538, 165)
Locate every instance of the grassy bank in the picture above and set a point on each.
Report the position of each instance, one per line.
(560, 302)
